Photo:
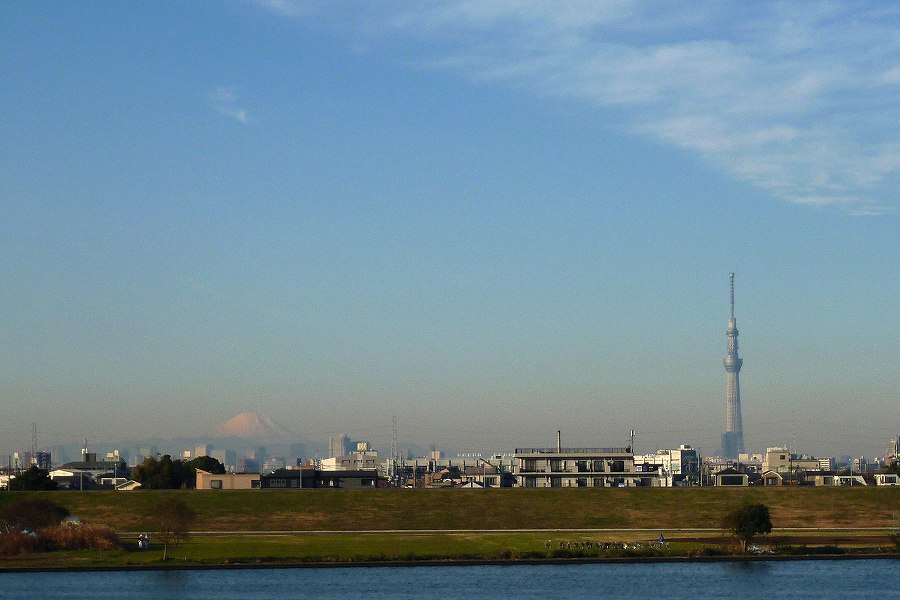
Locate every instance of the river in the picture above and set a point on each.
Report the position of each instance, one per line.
(814, 579)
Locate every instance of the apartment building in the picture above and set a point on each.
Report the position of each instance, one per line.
(578, 467)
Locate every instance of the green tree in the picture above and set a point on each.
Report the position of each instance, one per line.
(34, 478)
(31, 513)
(163, 473)
(206, 463)
(170, 519)
(746, 522)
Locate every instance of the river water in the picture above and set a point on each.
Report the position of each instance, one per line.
(819, 579)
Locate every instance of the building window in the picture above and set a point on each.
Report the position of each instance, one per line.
(556, 465)
(556, 481)
(581, 482)
(215, 484)
(598, 466)
(598, 482)
(367, 482)
(618, 466)
(531, 482)
(529, 465)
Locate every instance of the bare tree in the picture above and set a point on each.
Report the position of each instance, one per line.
(170, 519)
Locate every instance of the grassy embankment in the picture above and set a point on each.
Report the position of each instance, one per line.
(659, 510)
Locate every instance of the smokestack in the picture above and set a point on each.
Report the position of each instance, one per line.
(558, 440)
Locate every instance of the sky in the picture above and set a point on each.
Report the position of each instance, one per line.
(492, 220)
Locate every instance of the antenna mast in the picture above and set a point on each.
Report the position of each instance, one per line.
(34, 460)
(731, 277)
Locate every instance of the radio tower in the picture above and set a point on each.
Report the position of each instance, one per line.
(733, 438)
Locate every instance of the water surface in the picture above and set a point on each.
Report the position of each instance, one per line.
(819, 580)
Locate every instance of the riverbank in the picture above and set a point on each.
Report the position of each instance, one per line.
(174, 566)
(395, 549)
(495, 509)
(351, 527)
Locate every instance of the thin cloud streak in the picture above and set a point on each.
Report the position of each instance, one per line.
(798, 100)
(225, 102)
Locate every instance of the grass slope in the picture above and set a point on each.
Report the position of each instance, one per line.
(345, 510)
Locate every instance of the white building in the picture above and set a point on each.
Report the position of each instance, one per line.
(781, 460)
(363, 458)
(675, 467)
(887, 479)
(578, 467)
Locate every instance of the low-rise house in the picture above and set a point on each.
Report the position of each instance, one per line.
(772, 478)
(227, 481)
(73, 479)
(849, 480)
(128, 486)
(887, 479)
(487, 476)
(731, 477)
(310, 478)
(363, 478)
(821, 478)
(782, 460)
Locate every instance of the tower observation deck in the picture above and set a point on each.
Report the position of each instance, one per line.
(733, 438)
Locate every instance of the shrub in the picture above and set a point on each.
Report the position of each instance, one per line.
(13, 543)
(79, 537)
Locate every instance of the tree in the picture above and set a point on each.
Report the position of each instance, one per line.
(34, 478)
(163, 473)
(170, 519)
(748, 521)
(206, 463)
(31, 513)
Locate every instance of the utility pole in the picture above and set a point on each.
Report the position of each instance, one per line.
(393, 474)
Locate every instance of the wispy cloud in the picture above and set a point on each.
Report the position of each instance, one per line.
(801, 100)
(225, 101)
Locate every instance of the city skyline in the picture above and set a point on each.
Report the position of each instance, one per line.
(494, 221)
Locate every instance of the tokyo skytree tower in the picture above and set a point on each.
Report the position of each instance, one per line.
(733, 438)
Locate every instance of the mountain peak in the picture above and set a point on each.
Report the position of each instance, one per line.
(250, 425)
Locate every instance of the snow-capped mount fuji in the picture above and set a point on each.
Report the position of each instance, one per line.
(251, 425)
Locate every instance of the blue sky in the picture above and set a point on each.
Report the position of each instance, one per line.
(494, 220)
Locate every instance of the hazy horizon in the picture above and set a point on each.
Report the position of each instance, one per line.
(492, 220)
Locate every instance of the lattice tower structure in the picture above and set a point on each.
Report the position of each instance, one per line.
(733, 438)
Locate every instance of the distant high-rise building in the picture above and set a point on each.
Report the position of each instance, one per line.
(733, 438)
(248, 465)
(297, 451)
(228, 458)
(339, 445)
(40, 459)
(202, 450)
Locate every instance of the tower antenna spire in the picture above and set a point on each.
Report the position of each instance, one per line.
(733, 438)
(731, 278)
